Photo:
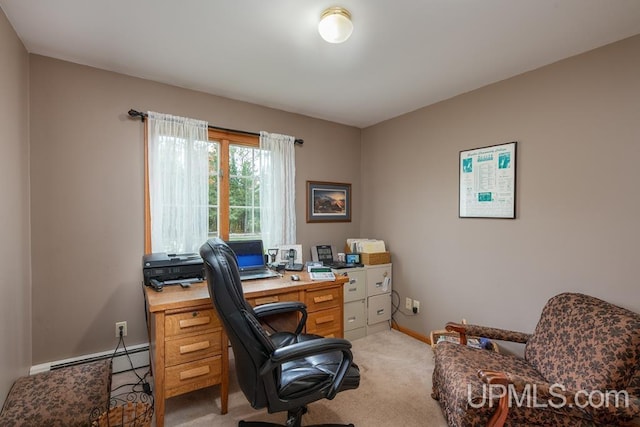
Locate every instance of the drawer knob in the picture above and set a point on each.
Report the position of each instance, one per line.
(323, 298)
(190, 348)
(199, 321)
(325, 319)
(267, 300)
(379, 312)
(192, 373)
(351, 319)
(353, 281)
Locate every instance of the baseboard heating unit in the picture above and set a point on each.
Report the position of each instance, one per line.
(139, 355)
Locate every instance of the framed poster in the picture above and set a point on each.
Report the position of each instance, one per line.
(488, 182)
(328, 202)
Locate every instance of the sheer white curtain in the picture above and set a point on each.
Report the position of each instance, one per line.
(178, 182)
(277, 189)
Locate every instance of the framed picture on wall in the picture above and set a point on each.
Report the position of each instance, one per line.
(328, 202)
(488, 182)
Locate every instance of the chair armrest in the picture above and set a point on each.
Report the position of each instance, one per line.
(266, 310)
(311, 348)
(486, 332)
(600, 406)
(279, 308)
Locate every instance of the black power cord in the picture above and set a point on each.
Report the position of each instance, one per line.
(395, 307)
(139, 394)
(142, 381)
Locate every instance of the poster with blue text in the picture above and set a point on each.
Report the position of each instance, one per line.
(488, 182)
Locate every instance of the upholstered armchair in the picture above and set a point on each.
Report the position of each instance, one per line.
(581, 367)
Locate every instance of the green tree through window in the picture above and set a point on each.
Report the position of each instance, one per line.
(234, 186)
(244, 192)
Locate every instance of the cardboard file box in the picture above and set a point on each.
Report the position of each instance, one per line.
(376, 258)
(372, 258)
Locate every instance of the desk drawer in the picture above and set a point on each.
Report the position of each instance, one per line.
(190, 321)
(355, 288)
(378, 280)
(379, 309)
(291, 296)
(192, 376)
(323, 298)
(355, 315)
(327, 323)
(194, 347)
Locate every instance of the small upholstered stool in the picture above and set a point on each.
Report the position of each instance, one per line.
(65, 397)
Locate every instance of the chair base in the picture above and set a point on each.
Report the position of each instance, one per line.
(264, 424)
(294, 419)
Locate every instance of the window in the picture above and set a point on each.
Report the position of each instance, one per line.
(234, 203)
(202, 182)
(234, 187)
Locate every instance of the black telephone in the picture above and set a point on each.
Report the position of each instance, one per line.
(291, 259)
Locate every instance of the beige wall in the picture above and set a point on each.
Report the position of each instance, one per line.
(577, 126)
(87, 194)
(15, 286)
(577, 123)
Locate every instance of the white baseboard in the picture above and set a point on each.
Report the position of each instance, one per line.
(139, 355)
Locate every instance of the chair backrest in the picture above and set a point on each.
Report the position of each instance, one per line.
(585, 343)
(251, 345)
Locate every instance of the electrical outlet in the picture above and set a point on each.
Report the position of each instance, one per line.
(122, 325)
(408, 304)
(416, 306)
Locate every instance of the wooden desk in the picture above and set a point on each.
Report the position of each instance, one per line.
(188, 346)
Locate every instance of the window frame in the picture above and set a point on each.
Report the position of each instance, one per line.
(225, 139)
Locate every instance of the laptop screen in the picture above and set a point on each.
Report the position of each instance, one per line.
(249, 253)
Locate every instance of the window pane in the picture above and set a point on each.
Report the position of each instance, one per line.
(256, 220)
(242, 161)
(244, 221)
(244, 192)
(241, 192)
(214, 188)
(213, 222)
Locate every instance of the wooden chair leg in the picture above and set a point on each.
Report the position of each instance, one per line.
(500, 416)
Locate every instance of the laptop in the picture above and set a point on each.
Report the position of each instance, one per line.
(250, 257)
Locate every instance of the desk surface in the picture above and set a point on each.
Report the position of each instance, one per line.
(175, 297)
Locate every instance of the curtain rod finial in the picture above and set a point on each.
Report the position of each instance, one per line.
(134, 113)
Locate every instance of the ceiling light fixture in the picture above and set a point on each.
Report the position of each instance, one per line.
(335, 25)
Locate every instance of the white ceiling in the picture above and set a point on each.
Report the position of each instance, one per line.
(403, 54)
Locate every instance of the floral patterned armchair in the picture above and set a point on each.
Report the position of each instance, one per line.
(581, 367)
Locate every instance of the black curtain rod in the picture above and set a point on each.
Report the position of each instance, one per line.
(134, 113)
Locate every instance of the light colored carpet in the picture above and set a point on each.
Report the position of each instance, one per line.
(395, 390)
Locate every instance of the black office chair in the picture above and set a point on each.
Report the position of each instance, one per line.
(283, 371)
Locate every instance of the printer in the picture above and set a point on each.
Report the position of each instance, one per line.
(160, 269)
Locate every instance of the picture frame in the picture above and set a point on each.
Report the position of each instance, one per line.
(328, 201)
(487, 182)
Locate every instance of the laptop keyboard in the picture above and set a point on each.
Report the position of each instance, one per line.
(262, 274)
